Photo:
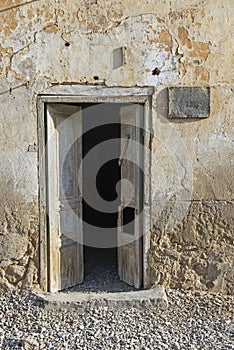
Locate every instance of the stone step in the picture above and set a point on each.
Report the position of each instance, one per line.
(142, 298)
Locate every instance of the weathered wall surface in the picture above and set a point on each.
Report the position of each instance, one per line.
(183, 43)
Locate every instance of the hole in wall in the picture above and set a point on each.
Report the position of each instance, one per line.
(156, 71)
(128, 220)
(67, 44)
(96, 77)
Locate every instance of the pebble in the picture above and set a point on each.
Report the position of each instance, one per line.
(193, 320)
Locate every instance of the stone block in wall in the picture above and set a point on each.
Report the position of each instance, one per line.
(13, 246)
(189, 102)
(15, 273)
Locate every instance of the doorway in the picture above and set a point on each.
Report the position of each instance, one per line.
(101, 123)
(68, 255)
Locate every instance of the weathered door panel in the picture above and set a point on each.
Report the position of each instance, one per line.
(64, 156)
(129, 219)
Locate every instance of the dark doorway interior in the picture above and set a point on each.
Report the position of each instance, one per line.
(101, 123)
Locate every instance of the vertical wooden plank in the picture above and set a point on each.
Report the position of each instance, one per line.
(130, 243)
(43, 273)
(148, 136)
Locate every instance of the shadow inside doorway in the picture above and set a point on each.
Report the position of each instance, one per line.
(101, 272)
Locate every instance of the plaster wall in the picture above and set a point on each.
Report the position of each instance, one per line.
(164, 43)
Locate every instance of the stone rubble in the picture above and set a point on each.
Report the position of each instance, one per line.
(193, 320)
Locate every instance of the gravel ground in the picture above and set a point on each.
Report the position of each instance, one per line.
(101, 273)
(192, 321)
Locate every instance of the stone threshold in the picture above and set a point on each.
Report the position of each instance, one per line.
(144, 298)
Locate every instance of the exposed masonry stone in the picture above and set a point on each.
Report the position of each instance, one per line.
(18, 246)
(15, 273)
(198, 252)
(189, 102)
(186, 43)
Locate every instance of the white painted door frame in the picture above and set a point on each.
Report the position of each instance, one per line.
(93, 94)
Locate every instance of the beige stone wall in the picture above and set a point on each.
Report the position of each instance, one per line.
(62, 42)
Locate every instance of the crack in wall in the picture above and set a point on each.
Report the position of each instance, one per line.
(185, 174)
(13, 88)
(17, 6)
(118, 23)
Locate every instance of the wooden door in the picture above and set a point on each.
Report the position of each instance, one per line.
(129, 218)
(64, 157)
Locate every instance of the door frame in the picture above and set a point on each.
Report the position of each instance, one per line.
(92, 94)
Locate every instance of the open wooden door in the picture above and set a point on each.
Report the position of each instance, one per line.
(64, 158)
(129, 219)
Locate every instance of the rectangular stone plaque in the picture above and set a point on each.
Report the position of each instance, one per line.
(189, 102)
